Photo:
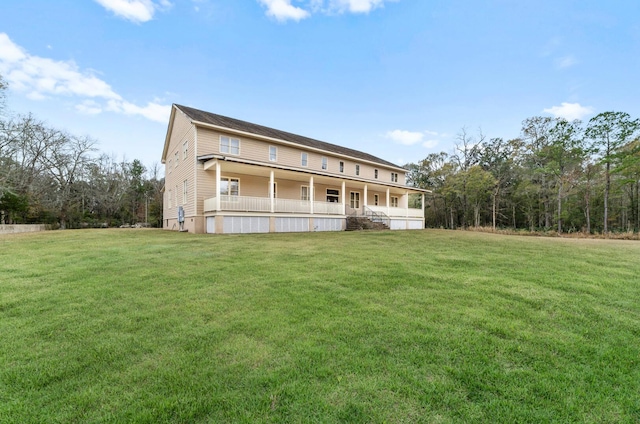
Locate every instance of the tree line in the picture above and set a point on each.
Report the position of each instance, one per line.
(558, 175)
(50, 176)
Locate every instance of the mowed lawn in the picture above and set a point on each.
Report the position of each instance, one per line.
(395, 327)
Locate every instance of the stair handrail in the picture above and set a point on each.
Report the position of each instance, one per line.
(376, 216)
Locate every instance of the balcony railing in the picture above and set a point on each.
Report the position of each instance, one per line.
(263, 204)
(398, 212)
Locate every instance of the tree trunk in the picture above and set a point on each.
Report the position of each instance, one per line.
(606, 198)
(493, 209)
(560, 208)
(588, 210)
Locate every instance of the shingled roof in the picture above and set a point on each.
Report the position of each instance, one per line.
(236, 124)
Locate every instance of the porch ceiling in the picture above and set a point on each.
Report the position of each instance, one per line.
(283, 174)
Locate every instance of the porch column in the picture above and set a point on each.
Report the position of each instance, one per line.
(388, 200)
(422, 205)
(344, 198)
(217, 185)
(406, 203)
(271, 193)
(365, 194)
(312, 195)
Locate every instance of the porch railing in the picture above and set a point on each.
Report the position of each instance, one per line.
(398, 212)
(263, 204)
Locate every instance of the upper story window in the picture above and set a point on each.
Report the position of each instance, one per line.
(229, 145)
(324, 163)
(169, 198)
(176, 158)
(304, 159)
(273, 153)
(375, 174)
(341, 166)
(170, 167)
(394, 177)
(357, 169)
(185, 149)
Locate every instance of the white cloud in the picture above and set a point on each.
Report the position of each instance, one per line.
(9, 52)
(341, 6)
(569, 111)
(430, 144)
(40, 78)
(89, 107)
(407, 138)
(411, 138)
(360, 6)
(152, 111)
(137, 11)
(283, 10)
(566, 62)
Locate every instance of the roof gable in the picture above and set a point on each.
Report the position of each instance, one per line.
(238, 125)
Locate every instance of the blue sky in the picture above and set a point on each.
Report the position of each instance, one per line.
(397, 79)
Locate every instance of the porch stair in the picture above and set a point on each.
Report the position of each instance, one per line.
(357, 223)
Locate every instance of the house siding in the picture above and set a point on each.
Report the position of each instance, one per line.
(288, 156)
(182, 131)
(253, 168)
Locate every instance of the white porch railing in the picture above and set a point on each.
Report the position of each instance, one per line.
(290, 205)
(398, 212)
(328, 208)
(263, 204)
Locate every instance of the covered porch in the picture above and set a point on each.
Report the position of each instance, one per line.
(244, 187)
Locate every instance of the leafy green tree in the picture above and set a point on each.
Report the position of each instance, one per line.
(479, 186)
(12, 204)
(563, 154)
(628, 171)
(536, 134)
(609, 131)
(499, 158)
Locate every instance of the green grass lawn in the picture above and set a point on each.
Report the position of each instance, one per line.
(420, 326)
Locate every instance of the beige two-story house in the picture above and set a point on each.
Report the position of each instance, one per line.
(229, 176)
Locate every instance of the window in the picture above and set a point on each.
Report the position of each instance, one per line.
(394, 202)
(170, 166)
(304, 159)
(275, 190)
(184, 192)
(341, 166)
(185, 149)
(169, 198)
(175, 199)
(375, 174)
(357, 169)
(229, 186)
(176, 158)
(355, 200)
(273, 153)
(324, 163)
(376, 199)
(229, 145)
(333, 196)
(304, 192)
(394, 177)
